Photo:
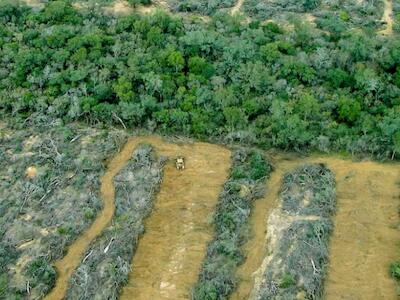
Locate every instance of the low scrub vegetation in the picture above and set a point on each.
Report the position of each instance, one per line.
(205, 7)
(106, 264)
(49, 191)
(224, 253)
(348, 13)
(298, 236)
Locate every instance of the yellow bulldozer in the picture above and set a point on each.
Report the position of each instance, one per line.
(180, 163)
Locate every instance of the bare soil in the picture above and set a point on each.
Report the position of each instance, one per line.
(120, 7)
(170, 253)
(365, 239)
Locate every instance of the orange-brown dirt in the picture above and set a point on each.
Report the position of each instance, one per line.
(365, 239)
(169, 255)
(255, 248)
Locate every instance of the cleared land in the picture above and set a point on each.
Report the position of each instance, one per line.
(49, 183)
(364, 241)
(170, 253)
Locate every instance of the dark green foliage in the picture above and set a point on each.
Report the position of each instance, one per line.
(217, 279)
(41, 272)
(225, 78)
(395, 270)
(137, 2)
(205, 7)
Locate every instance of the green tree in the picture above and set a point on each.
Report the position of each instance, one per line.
(348, 109)
(176, 60)
(124, 89)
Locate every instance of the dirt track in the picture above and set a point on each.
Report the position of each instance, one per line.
(66, 266)
(387, 17)
(169, 255)
(237, 7)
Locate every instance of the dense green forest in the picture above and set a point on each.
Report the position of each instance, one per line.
(327, 87)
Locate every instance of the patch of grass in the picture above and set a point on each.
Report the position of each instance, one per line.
(224, 253)
(287, 281)
(395, 270)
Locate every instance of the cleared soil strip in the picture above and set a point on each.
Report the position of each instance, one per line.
(66, 266)
(169, 254)
(255, 247)
(365, 239)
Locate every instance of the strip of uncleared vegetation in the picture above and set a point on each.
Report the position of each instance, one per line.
(106, 264)
(49, 182)
(224, 253)
(298, 234)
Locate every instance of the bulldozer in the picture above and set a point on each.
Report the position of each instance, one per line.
(180, 163)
